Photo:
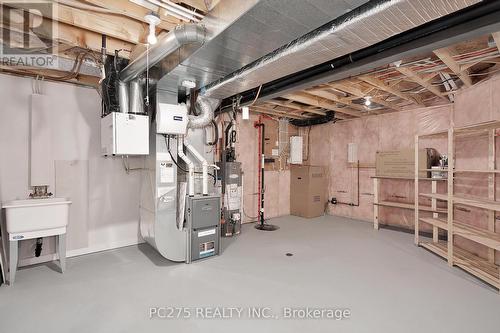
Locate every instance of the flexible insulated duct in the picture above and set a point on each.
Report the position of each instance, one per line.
(171, 42)
(205, 108)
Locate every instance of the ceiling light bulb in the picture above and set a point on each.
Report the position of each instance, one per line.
(368, 101)
(152, 39)
(153, 21)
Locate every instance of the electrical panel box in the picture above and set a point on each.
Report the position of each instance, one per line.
(295, 150)
(171, 119)
(124, 134)
(203, 221)
(352, 152)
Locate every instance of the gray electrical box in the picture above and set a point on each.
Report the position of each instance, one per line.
(231, 190)
(203, 223)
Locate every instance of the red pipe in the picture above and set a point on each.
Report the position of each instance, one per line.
(256, 125)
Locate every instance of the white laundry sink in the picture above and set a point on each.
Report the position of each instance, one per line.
(33, 218)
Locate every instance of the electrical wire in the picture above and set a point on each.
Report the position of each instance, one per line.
(167, 142)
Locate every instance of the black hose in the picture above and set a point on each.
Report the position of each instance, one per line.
(228, 128)
(330, 115)
(216, 137)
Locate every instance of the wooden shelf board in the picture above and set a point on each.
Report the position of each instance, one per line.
(440, 223)
(475, 171)
(478, 235)
(469, 262)
(473, 202)
(408, 178)
(410, 206)
(437, 170)
(478, 127)
(477, 266)
(440, 248)
(443, 133)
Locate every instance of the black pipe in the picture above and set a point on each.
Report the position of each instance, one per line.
(470, 22)
(330, 115)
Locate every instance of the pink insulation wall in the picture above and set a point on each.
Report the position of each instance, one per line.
(390, 131)
(329, 144)
(277, 183)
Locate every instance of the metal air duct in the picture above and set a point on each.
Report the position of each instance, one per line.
(367, 25)
(171, 42)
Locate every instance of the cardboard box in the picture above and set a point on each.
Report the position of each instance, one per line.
(307, 190)
(401, 163)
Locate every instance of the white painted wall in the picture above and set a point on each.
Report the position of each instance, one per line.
(105, 210)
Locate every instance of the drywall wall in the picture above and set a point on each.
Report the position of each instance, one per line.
(105, 209)
(391, 131)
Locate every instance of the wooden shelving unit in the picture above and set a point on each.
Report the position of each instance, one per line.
(485, 269)
(377, 203)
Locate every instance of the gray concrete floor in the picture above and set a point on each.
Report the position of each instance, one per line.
(387, 283)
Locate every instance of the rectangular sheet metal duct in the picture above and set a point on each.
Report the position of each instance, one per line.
(367, 25)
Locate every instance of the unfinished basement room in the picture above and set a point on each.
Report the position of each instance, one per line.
(250, 166)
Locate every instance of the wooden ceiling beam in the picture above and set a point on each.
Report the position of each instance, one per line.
(203, 5)
(415, 77)
(136, 12)
(323, 103)
(359, 93)
(496, 38)
(285, 109)
(50, 74)
(292, 105)
(320, 92)
(74, 37)
(274, 112)
(119, 27)
(446, 57)
(392, 90)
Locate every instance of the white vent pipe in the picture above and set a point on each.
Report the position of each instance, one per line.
(190, 164)
(204, 165)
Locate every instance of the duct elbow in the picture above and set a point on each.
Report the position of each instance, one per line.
(190, 33)
(205, 107)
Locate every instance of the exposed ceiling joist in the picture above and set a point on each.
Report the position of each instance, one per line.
(447, 58)
(73, 36)
(275, 112)
(415, 77)
(136, 12)
(496, 38)
(392, 90)
(51, 74)
(119, 27)
(203, 5)
(359, 93)
(320, 92)
(323, 103)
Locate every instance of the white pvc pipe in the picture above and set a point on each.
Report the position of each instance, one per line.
(204, 165)
(190, 164)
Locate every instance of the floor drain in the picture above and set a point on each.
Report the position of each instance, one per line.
(289, 254)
